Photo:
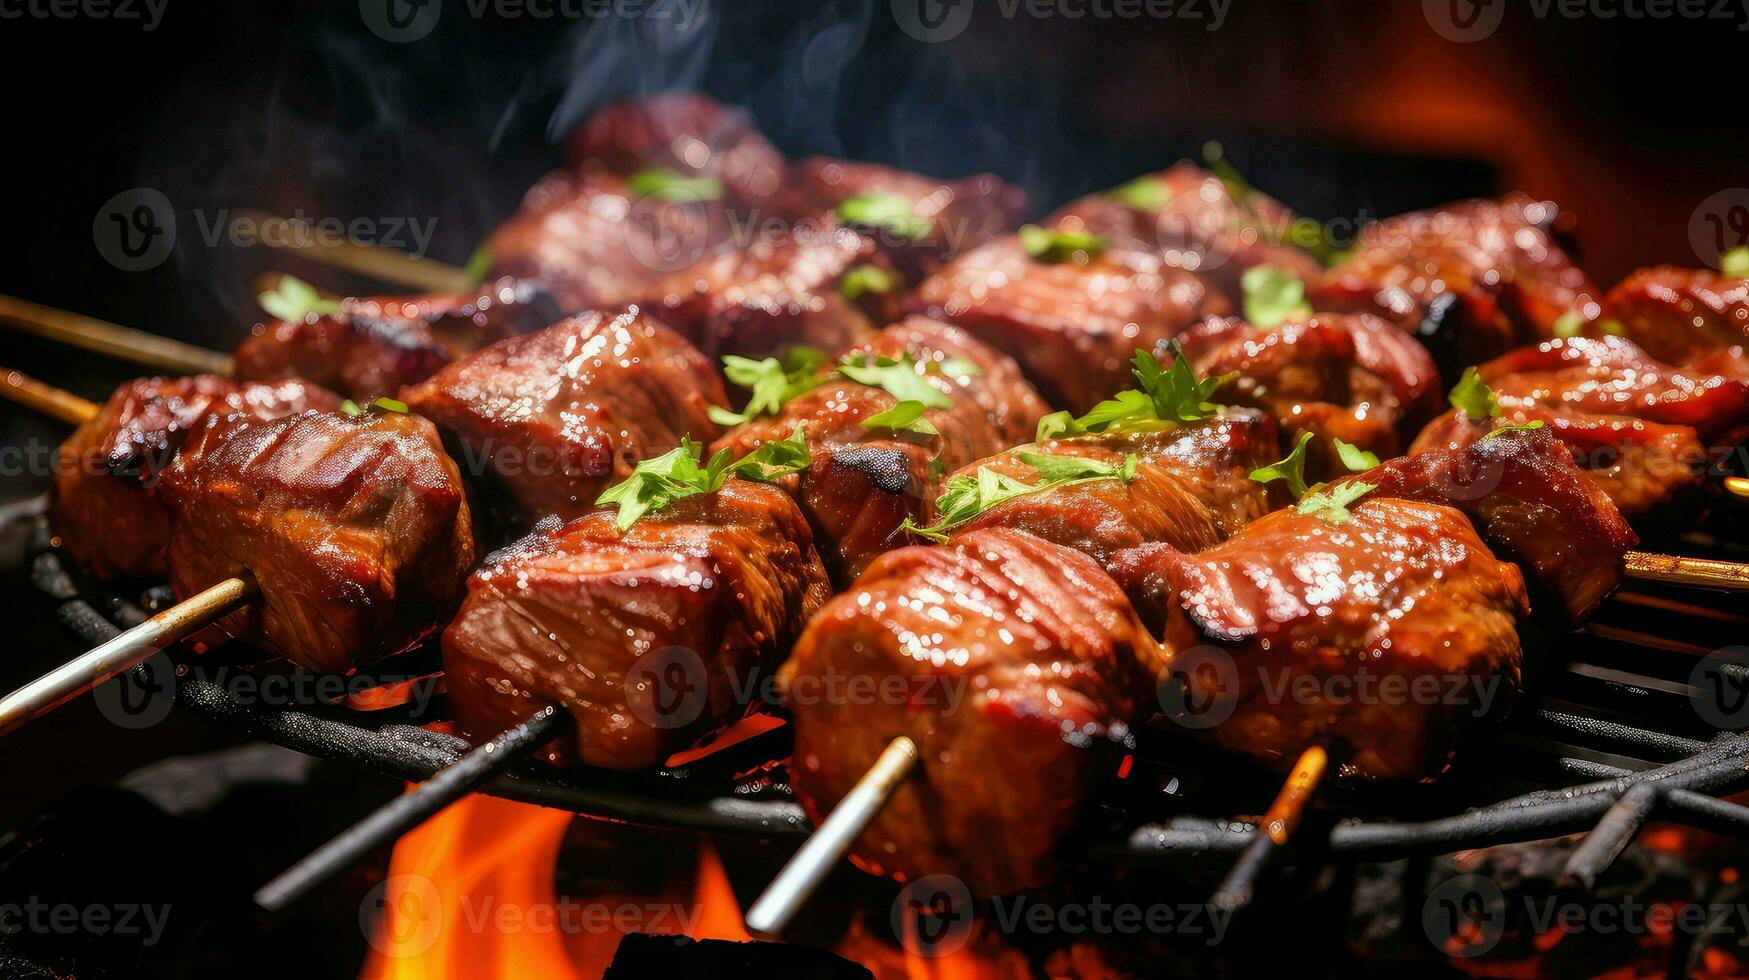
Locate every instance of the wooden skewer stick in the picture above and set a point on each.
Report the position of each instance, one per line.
(132, 647)
(783, 898)
(1274, 831)
(378, 262)
(407, 811)
(111, 339)
(47, 399)
(1702, 573)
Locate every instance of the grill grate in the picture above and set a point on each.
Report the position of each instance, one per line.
(1609, 716)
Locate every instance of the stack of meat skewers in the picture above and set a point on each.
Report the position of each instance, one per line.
(1226, 469)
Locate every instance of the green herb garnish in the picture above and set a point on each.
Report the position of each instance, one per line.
(351, 408)
(294, 299)
(1054, 245)
(1506, 427)
(897, 376)
(1291, 468)
(1735, 262)
(1147, 193)
(479, 265)
(1273, 296)
(1569, 324)
(670, 185)
(676, 474)
(965, 497)
(906, 416)
(890, 212)
(1167, 397)
(1331, 503)
(1354, 457)
(867, 279)
(1472, 396)
(772, 382)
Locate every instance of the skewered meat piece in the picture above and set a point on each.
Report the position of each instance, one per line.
(1684, 315)
(554, 417)
(102, 505)
(355, 530)
(1071, 325)
(782, 290)
(594, 243)
(1613, 375)
(956, 216)
(864, 482)
(712, 589)
(1340, 376)
(1473, 279)
(1642, 466)
(1191, 217)
(1401, 596)
(374, 345)
(686, 133)
(1532, 505)
(995, 649)
(1191, 488)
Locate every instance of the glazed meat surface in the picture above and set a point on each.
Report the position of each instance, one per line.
(375, 345)
(864, 482)
(1338, 376)
(551, 419)
(686, 133)
(1641, 466)
(594, 243)
(102, 504)
(711, 590)
(1071, 326)
(779, 291)
(1533, 506)
(1612, 375)
(1016, 663)
(355, 529)
(1191, 488)
(1474, 278)
(1308, 614)
(1683, 315)
(1198, 226)
(961, 214)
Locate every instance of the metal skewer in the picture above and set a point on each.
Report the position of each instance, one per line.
(409, 810)
(772, 913)
(1274, 831)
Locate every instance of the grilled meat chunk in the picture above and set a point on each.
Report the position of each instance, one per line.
(1354, 378)
(711, 590)
(1612, 375)
(1533, 506)
(553, 418)
(1010, 661)
(955, 216)
(687, 133)
(102, 504)
(594, 243)
(780, 291)
(1072, 326)
(1473, 279)
(1192, 218)
(1641, 466)
(1683, 315)
(1300, 615)
(355, 530)
(1191, 488)
(864, 482)
(374, 345)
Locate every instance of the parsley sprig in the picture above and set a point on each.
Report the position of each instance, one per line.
(884, 211)
(965, 497)
(671, 185)
(1165, 398)
(294, 299)
(1273, 296)
(353, 409)
(1054, 245)
(772, 382)
(1146, 193)
(1323, 500)
(1331, 502)
(1472, 396)
(677, 474)
(1290, 468)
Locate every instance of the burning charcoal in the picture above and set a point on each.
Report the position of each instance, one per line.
(641, 955)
